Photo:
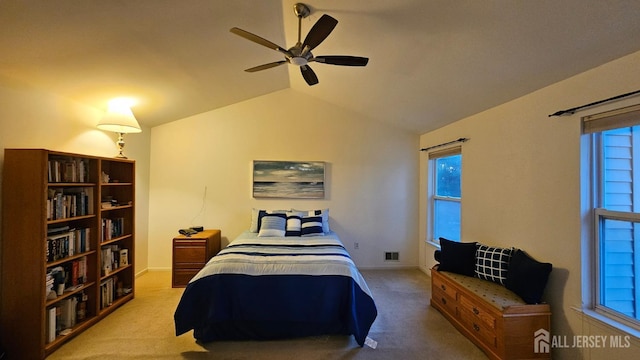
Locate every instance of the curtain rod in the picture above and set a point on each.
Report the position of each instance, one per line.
(573, 110)
(444, 144)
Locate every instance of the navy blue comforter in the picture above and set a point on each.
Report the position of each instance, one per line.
(273, 288)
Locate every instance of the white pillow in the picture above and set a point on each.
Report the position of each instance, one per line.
(294, 225)
(273, 225)
(324, 213)
(256, 217)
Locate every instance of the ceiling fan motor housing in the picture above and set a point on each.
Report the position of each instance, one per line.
(301, 10)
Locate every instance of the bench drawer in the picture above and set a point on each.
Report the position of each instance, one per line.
(478, 328)
(444, 286)
(444, 300)
(478, 312)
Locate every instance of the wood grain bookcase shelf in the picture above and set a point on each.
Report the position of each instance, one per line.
(53, 219)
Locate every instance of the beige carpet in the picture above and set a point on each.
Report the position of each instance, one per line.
(406, 328)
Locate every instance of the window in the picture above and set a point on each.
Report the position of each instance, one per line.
(615, 148)
(445, 169)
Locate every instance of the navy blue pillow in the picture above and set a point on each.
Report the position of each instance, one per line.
(312, 226)
(457, 257)
(527, 277)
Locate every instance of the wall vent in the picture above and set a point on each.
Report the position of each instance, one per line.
(391, 256)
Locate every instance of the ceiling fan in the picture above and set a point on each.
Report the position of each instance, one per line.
(300, 54)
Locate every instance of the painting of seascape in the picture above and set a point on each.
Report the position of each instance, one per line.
(288, 179)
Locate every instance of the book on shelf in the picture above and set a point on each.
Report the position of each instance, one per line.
(124, 257)
(66, 277)
(111, 259)
(112, 228)
(68, 170)
(81, 311)
(65, 315)
(65, 203)
(49, 283)
(63, 242)
(76, 272)
(68, 312)
(107, 292)
(58, 276)
(51, 324)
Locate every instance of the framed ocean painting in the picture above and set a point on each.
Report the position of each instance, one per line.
(288, 179)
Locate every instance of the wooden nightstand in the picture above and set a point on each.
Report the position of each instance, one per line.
(191, 253)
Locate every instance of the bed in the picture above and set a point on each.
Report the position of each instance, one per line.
(275, 287)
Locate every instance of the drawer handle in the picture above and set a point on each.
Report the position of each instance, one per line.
(443, 287)
(444, 301)
(476, 311)
(476, 327)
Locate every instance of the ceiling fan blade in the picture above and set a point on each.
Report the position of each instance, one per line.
(342, 60)
(266, 66)
(257, 39)
(320, 30)
(308, 75)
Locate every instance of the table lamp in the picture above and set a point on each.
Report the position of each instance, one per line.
(119, 119)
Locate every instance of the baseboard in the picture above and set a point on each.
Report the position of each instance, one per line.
(142, 272)
(425, 270)
(138, 274)
(398, 267)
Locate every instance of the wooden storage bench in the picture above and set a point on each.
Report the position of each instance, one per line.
(490, 315)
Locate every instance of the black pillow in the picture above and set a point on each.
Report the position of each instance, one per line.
(457, 257)
(527, 277)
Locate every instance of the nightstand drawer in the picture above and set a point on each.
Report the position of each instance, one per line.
(185, 255)
(181, 277)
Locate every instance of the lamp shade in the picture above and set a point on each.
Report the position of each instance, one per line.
(119, 118)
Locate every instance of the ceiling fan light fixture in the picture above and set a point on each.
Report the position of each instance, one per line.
(298, 60)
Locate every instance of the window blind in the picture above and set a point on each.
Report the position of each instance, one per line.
(454, 150)
(614, 119)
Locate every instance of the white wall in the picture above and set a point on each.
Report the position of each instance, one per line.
(521, 187)
(34, 119)
(371, 174)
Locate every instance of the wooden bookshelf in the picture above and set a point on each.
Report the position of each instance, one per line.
(53, 211)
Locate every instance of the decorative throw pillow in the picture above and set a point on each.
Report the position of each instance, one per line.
(294, 226)
(492, 263)
(273, 225)
(256, 217)
(527, 277)
(324, 213)
(457, 257)
(312, 226)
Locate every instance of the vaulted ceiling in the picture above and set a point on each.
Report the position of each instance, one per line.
(432, 62)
